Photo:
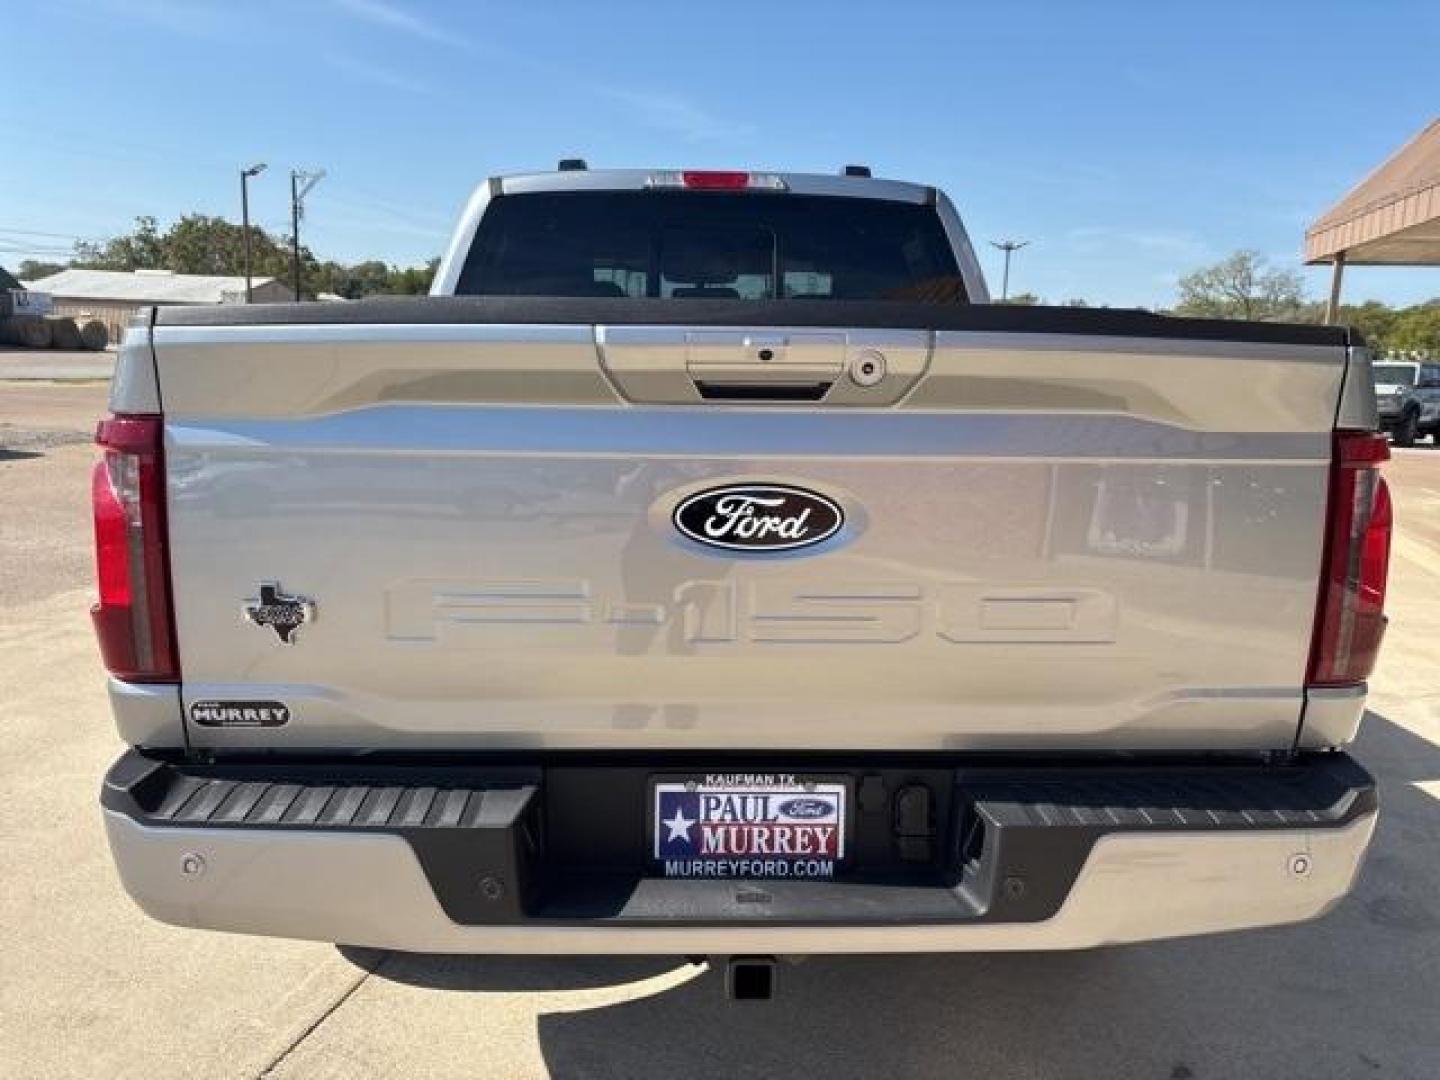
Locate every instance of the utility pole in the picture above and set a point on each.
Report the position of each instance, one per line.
(1009, 247)
(245, 175)
(297, 211)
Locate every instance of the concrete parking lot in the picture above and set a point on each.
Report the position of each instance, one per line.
(55, 364)
(90, 987)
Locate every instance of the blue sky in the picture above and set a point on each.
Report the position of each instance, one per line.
(1129, 142)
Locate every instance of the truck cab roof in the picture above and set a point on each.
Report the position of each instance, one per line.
(860, 187)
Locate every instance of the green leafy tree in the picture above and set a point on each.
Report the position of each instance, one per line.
(1372, 318)
(1242, 286)
(1416, 330)
(368, 278)
(1024, 299)
(413, 280)
(201, 244)
(197, 244)
(142, 249)
(374, 278)
(34, 269)
(1386, 329)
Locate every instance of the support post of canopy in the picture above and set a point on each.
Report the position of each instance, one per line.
(1332, 309)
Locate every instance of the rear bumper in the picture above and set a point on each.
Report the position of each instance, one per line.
(445, 859)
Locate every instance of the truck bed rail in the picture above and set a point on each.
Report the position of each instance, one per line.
(859, 314)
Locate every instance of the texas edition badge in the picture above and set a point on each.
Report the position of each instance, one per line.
(281, 612)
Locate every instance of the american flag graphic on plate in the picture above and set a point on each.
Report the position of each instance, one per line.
(749, 825)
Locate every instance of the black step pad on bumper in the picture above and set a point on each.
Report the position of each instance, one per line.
(1045, 822)
(984, 843)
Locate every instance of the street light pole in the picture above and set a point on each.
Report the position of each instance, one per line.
(1009, 247)
(245, 175)
(297, 210)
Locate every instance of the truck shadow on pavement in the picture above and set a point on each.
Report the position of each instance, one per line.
(1350, 995)
(22, 443)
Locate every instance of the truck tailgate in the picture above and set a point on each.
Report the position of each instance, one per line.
(1078, 540)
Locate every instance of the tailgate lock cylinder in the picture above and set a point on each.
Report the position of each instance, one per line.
(867, 368)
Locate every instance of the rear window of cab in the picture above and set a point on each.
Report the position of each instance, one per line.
(710, 245)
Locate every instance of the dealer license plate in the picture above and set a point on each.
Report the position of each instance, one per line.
(748, 825)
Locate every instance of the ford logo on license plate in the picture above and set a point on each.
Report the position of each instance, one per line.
(758, 517)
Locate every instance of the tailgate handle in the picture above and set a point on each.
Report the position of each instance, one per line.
(761, 391)
(758, 365)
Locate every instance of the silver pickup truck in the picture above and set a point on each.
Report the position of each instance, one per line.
(1408, 395)
(708, 568)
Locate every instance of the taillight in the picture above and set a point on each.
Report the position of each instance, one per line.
(127, 493)
(1350, 619)
(713, 180)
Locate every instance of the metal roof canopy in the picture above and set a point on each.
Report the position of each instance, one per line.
(143, 286)
(1391, 218)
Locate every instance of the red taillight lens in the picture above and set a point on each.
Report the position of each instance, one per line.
(712, 180)
(127, 494)
(1350, 619)
(715, 180)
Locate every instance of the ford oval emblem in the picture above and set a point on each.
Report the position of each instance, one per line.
(806, 808)
(758, 517)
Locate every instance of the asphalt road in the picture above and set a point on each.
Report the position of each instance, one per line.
(90, 987)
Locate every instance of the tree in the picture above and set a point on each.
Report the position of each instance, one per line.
(139, 250)
(413, 280)
(366, 278)
(197, 244)
(352, 282)
(1242, 287)
(1373, 319)
(373, 278)
(1416, 330)
(34, 269)
(1024, 299)
(200, 244)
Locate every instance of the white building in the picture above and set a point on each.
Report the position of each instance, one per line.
(113, 296)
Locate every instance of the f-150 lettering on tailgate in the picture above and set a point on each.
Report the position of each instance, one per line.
(571, 612)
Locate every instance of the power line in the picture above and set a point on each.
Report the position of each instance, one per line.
(37, 232)
(27, 249)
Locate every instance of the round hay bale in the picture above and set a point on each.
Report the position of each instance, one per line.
(64, 334)
(31, 331)
(37, 334)
(94, 334)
